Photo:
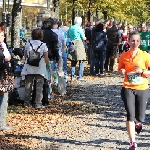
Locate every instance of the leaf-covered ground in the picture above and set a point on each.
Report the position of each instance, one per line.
(90, 116)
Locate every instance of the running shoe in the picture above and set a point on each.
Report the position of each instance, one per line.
(138, 127)
(133, 146)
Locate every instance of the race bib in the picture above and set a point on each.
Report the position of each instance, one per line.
(135, 78)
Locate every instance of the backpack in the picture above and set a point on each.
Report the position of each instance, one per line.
(34, 56)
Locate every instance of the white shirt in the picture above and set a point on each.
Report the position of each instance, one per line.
(28, 69)
(36, 44)
(65, 28)
(61, 38)
(5, 52)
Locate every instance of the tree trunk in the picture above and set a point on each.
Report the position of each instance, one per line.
(15, 30)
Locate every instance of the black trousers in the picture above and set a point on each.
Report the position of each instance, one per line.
(111, 53)
(45, 93)
(135, 103)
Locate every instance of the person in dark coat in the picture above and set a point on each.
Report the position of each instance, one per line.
(51, 40)
(99, 48)
(114, 40)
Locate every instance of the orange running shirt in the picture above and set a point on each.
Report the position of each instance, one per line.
(142, 59)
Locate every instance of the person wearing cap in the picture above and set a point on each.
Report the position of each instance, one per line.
(76, 34)
(114, 40)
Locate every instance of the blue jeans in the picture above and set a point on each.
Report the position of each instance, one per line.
(52, 63)
(92, 62)
(65, 67)
(100, 57)
(3, 109)
(81, 68)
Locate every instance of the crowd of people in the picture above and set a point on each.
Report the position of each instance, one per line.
(111, 43)
(107, 43)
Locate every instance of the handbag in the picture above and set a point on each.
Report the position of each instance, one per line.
(6, 82)
(71, 47)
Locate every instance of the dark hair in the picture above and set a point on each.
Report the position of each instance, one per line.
(99, 27)
(65, 23)
(1, 29)
(133, 33)
(59, 23)
(3, 23)
(37, 34)
(123, 27)
(56, 21)
(48, 23)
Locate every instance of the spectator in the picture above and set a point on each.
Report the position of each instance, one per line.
(130, 26)
(65, 26)
(61, 37)
(145, 38)
(124, 46)
(114, 40)
(64, 30)
(88, 35)
(32, 72)
(3, 95)
(99, 48)
(76, 34)
(51, 40)
(4, 25)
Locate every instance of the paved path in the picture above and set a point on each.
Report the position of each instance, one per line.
(99, 122)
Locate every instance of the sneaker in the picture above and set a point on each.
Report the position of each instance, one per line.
(7, 128)
(81, 79)
(133, 146)
(101, 74)
(138, 127)
(49, 96)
